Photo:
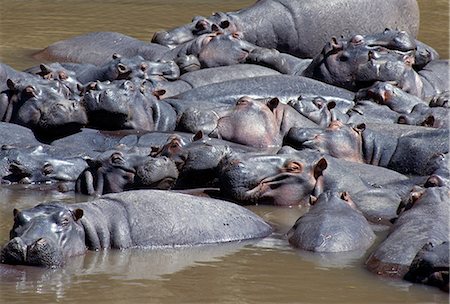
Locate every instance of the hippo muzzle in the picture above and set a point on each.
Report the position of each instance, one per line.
(38, 253)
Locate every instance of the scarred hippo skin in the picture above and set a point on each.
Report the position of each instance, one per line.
(284, 87)
(287, 25)
(50, 233)
(427, 221)
(98, 47)
(431, 266)
(332, 224)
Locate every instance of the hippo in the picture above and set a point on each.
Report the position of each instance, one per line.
(407, 152)
(207, 76)
(332, 224)
(198, 159)
(284, 87)
(98, 47)
(430, 266)
(286, 25)
(270, 118)
(127, 104)
(49, 234)
(426, 219)
(14, 135)
(41, 164)
(45, 106)
(290, 178)
(119, 67)
(117, 171)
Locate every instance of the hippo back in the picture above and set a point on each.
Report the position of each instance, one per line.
(162, 218)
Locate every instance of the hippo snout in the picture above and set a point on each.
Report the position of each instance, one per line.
(14, 252)
(39, 253)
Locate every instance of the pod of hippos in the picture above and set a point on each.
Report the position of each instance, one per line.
(173, 137)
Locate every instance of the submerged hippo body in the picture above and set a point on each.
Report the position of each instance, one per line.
(49, 233)
(333, 224)
(287, 25)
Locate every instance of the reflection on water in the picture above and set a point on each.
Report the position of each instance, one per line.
(267, 271)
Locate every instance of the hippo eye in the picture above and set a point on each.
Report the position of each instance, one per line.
(358, 39)
(117, 159)
(63, 76)
(143, 67)
(47, 169)
(64, 221)
(242, 101)
(294, 167)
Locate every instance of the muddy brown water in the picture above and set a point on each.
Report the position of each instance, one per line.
(263, 271)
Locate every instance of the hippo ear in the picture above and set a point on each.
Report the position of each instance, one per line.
(360, 128)
(428, 122)
(331, 105)
(15, 212)
(93, 163)
(312, 200)
(10, 83)
(198, 136)
(77, 214)
(409, 59)
(159, 93)
(273, 103)
(321, 165)
(224, 24)
(116, 56)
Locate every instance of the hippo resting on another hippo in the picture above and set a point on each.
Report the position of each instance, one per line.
(405, 149)
(50, 233)
(426, 220)
(127, 104)
(332, 224)
(300, 27)
(117, 171)
(253, 122)
(47, 107)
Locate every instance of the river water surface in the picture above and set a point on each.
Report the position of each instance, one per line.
(264, 271)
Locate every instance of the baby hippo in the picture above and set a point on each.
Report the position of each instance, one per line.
(333, 224)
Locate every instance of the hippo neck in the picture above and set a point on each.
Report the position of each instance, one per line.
(377, 148)
(105, 225)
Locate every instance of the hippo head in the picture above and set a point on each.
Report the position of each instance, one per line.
(35, 166)
(224, 50)
(360, 61)
(197, 161)
(200, 25)
(118, 171)
(338, 140)
(252, 122)
(55, 71)
(45, 235)
(45, 109)
(277, 179)
(119, 105)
